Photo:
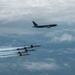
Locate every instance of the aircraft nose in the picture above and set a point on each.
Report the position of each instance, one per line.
(55, 24)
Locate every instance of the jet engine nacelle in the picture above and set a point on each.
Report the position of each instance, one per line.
(48, 26)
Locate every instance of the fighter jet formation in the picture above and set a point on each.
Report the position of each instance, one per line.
(23, 51)
(17, 51)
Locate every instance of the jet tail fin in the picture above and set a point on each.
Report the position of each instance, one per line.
(35, 24)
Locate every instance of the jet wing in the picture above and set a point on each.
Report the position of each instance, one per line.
(26, 47)
(22, 54)
(26, 51)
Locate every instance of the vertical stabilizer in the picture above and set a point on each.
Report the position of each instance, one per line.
(35, 24)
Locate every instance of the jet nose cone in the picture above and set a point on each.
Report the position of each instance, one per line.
(55, 24)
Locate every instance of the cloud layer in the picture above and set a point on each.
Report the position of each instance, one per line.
(40, 66)
(49, 10)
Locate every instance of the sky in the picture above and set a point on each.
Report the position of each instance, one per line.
(57, 51)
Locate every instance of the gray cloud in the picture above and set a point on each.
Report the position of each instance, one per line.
(40, 66)
(61, 35)
(19, 31)
(54, 11)
(64, 37)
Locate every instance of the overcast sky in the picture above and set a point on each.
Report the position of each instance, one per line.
(48, 10)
